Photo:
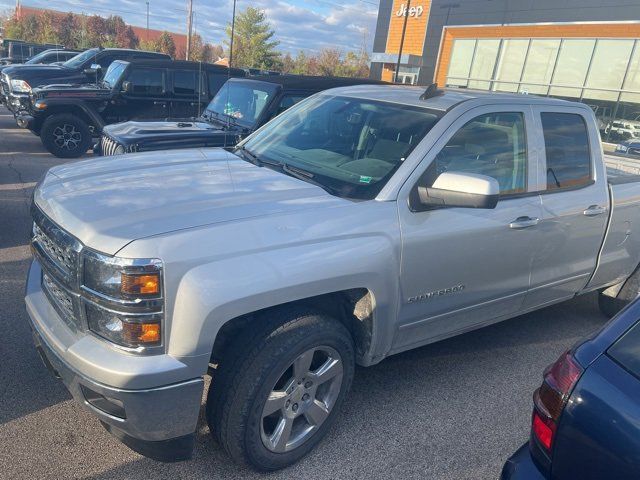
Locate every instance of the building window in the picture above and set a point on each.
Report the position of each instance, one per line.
(484, 62)
(460, 64)
(541, 60)
(572, 67)
(509, 70)
(609, 64)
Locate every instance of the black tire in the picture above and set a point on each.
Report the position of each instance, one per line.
(611, 306)
(65, 135)
(250, 370)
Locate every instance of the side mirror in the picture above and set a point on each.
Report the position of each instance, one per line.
(93, 69)
(459, 189)
(127, 87)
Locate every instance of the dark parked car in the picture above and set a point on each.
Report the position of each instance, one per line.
(240, 107)
(47, 57)
(17, 51)
(68, 116)
(17, 82)
(586, 417)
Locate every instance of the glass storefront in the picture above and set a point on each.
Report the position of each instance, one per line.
(603, 73)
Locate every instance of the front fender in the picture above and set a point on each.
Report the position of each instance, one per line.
(210, 295)
(76, 107)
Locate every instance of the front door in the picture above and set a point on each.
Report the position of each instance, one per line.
(575, 206)
(464, 267)
(146, 98)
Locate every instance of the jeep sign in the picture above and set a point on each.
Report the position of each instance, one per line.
(413, 11)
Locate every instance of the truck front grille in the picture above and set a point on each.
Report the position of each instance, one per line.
(62, 301)
(110, 146)
(59, 256)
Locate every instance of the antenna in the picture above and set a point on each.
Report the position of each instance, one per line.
(431, 91)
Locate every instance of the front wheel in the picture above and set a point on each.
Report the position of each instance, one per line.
(65, 136)
(277, 399)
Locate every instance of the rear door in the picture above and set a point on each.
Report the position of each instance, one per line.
(147, 96)
(575, 204)
(189, 93)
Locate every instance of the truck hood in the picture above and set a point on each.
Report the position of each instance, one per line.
(170, 133)
(107, 203)
(66, 90)
(37, 75)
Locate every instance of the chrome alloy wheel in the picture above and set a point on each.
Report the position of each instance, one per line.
(67, 137)
(301, 400)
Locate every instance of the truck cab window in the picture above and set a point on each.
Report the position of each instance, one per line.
(567, 148)
(493, 145)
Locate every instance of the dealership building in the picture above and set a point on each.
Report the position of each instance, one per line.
(585, 50)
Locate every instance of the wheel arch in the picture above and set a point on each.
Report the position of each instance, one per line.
(353, 307)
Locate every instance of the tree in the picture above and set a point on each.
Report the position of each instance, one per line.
(166, 44)
(252, 43)
(149, 45)
(288, 64)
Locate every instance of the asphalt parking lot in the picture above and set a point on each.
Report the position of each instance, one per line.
(452, 410)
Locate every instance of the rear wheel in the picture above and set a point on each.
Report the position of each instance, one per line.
(65, 136)
(610, 306)
(276, 394)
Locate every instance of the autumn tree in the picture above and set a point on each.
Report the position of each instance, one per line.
(166, 44)
(253, 44)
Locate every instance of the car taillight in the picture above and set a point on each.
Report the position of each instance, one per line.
(551, 398)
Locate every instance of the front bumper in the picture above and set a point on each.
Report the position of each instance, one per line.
(520, 466)
(25, 120)
(17, 102)
(156, 421)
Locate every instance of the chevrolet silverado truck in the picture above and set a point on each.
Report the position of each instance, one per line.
(240, 107)
(362, 222)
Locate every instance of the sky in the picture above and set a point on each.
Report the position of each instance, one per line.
(308, 25)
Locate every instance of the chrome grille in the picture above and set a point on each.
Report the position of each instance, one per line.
(109, 146)
(62, 255)
(61, 300)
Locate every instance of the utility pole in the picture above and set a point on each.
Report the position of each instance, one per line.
(147, 20)
(189, 27)
(404, 30)
(233, 33)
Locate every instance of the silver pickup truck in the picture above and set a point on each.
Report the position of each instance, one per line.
(360, 223)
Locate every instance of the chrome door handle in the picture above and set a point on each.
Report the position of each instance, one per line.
(594, 210)
(524, 222)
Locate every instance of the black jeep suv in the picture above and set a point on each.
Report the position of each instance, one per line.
(67, 117)
(240, 107)
(17, 82)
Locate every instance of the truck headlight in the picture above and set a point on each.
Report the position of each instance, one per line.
(20, 86)
(621, 148)
(125, 299)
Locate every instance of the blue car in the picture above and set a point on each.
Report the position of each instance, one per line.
(628, 147)
(586, 416)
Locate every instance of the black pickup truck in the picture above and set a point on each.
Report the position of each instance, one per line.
(17, 82)
(240, 107)
(67, 117)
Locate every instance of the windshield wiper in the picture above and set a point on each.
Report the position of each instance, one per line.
(253, 158)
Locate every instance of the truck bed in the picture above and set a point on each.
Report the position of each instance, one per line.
(622, 169)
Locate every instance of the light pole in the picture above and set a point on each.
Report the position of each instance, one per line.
(147, 20)
(449, 7)
(189, 26)
(404, 30)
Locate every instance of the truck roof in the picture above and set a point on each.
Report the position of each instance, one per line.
(180, 64)
(310, 82)
(446, 100)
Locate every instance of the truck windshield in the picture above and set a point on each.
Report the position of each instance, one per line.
(241, 102)
(350, 146)
(114, 72)
(38, 58)
(78, 60)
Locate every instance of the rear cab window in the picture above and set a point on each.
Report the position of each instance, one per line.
(566, 142)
